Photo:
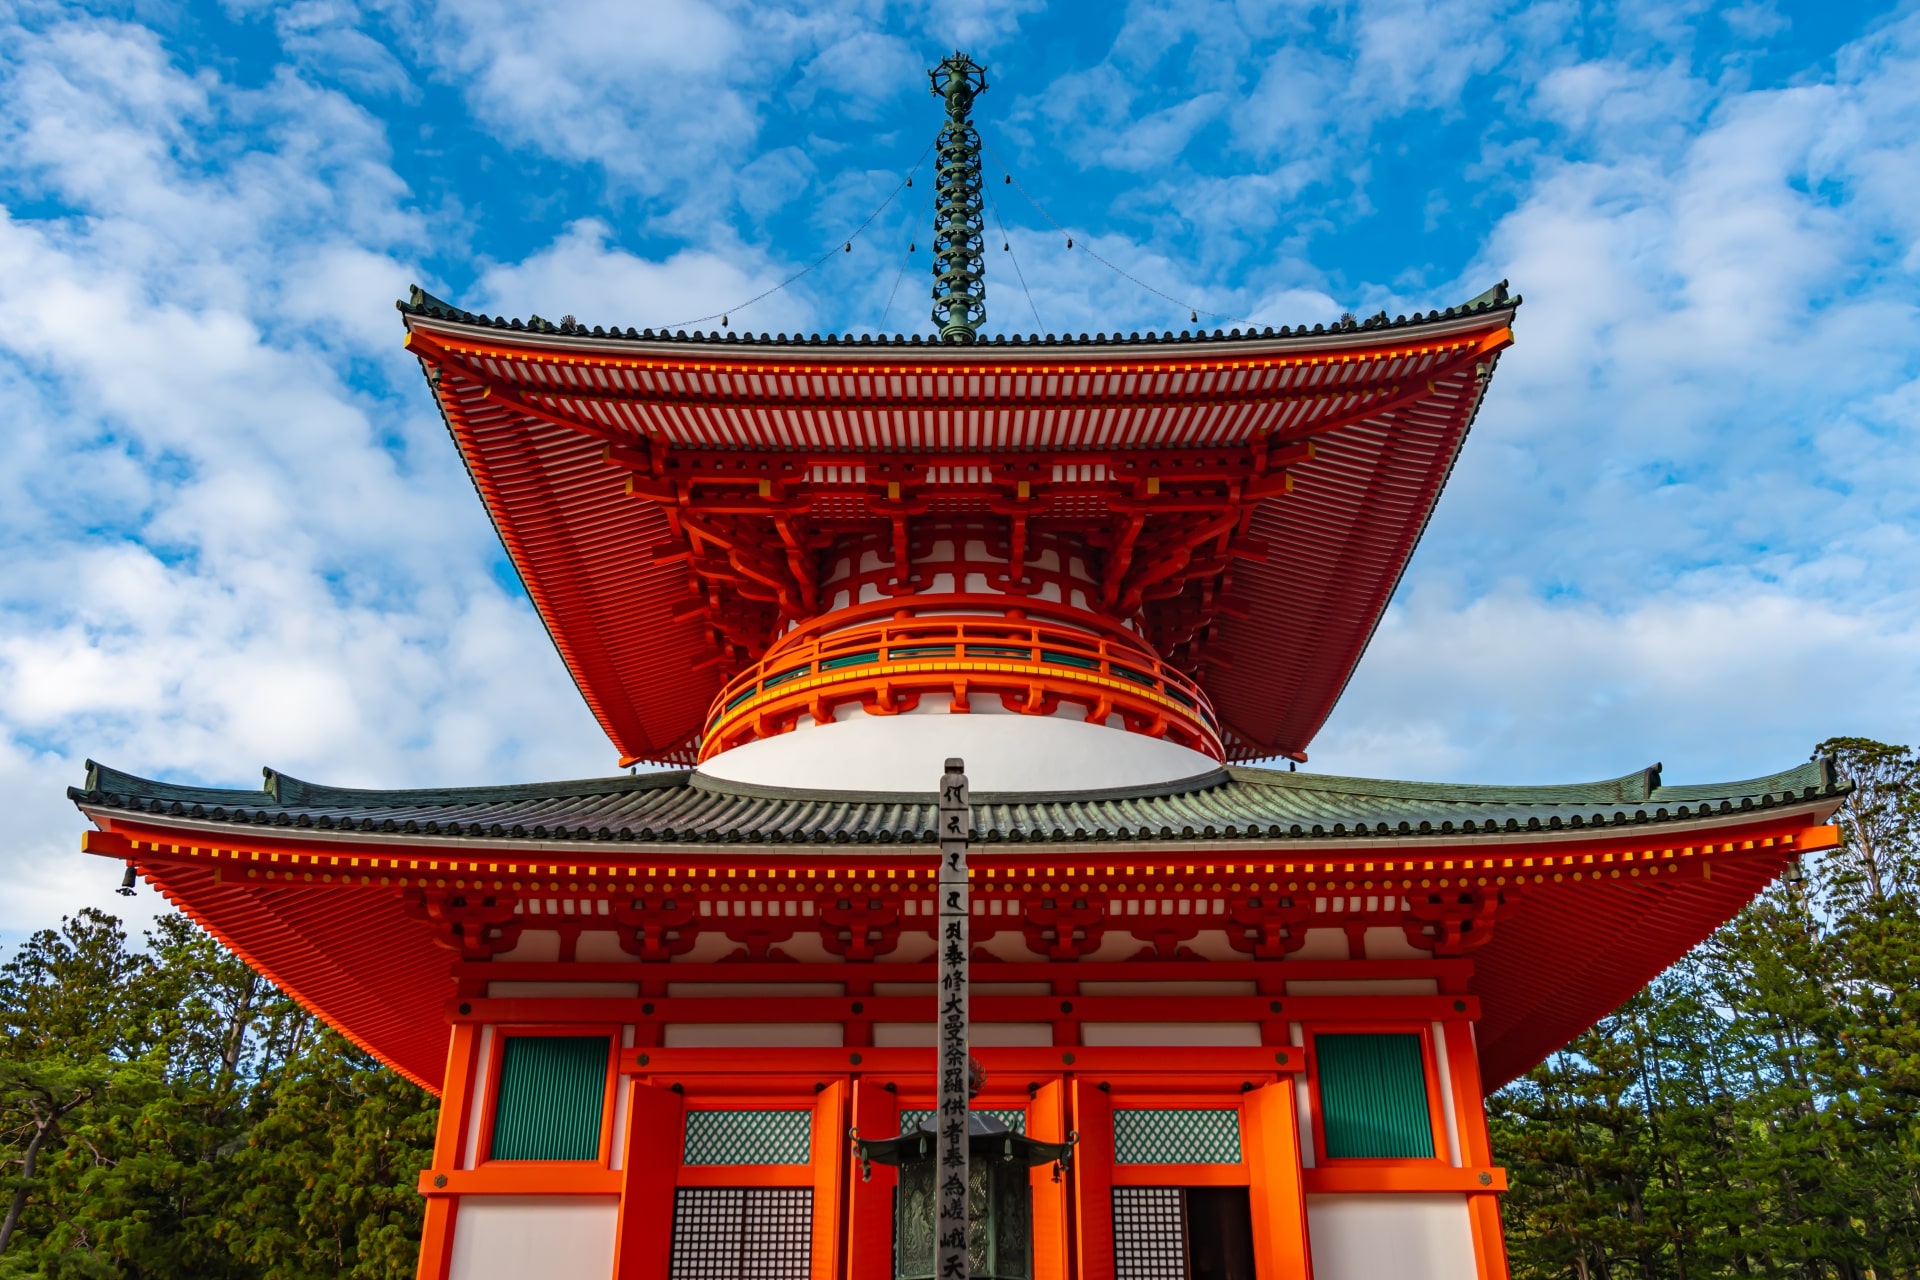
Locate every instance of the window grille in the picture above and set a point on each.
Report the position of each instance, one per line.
(748, 1137)
(1014, 1120)
(550, 1098)
(1149, 1234)
(1373, 1097)
(742, 1233)
(1183, 1136)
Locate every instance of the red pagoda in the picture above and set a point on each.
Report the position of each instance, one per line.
(1105, 570)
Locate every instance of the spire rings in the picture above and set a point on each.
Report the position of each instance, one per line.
(959, 220)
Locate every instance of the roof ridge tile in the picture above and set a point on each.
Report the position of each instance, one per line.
(421, 303)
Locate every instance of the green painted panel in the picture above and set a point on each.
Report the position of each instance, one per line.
(551, 1094)
(1373, 1096)
(1180, 1135)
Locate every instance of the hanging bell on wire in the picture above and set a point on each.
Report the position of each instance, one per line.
(1193, 317)
(1009, 180)
(724, 324)
(127, 882)
(1005, 247)
(913, 246)
(1069, 242)
(849, 246)
(909, 179)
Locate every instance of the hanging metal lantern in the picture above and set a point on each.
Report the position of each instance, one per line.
(1000, 1197)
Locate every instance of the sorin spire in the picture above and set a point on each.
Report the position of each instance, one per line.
(959, 265)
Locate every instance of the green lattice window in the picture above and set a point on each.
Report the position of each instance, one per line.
(1014, 1120)
(1373, 1097)
(748, 1137)
(550, 1099)
(1176, 1136)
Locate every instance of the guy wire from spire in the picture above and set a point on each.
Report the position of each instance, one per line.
(913, 223)
(1189, 308)
(845, 243)
(959, 230)
(1006, 242)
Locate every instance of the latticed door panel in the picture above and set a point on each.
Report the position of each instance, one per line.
(1176, 1135)
(742, 1233)
(747, 1137)
(1149, 1234)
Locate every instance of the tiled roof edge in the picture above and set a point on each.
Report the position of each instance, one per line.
(1817, 774)
(423, 304)
(1631, 787)
(1642, 787)
(289, 792)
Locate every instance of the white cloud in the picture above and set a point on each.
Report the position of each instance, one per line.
(581, 274)
(226, 544)
(670, 96)
(1740, 682)
(1685, 522)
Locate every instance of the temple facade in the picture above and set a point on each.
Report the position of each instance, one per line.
(1261, 1007)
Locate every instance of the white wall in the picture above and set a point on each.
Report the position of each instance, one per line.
(1407, 1237)
(753, 1035)
(1170, 1033)
(1003, 753)
(549, 1237)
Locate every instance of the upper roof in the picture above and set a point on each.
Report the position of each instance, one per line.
(1227, 804)
(586, 444)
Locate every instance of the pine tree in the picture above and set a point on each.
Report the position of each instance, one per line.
(168, 1113)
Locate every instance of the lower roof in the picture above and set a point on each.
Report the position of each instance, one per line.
(265, 871)
(682, 806)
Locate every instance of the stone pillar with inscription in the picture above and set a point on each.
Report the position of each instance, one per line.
(952, 1172)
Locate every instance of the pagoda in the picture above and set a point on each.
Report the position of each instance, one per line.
(1260, 1006)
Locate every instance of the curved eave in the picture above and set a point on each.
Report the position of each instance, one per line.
(427, 312)
(601, 568)
(1565, 955)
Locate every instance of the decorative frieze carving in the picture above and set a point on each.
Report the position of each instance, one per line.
(478, 926)
(657, 928)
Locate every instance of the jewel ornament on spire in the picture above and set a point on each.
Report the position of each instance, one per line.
(959, 225)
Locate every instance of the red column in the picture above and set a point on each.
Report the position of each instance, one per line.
(1092, 1186)
(1476, 1149)
(876, 1114)
(656, 1126)
(1047, 1122)
(1272, 1135)
(830, 1150)
(456, 1106)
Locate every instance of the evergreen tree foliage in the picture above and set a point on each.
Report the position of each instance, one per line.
(165, 1112)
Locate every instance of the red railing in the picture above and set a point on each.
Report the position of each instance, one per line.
(908, 652)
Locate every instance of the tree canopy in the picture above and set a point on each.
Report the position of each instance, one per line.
(166, 1112)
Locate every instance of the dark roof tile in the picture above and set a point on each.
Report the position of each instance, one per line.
(1233, 803)
(423, 304)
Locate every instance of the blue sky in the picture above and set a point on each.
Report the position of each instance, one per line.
(233, 532)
